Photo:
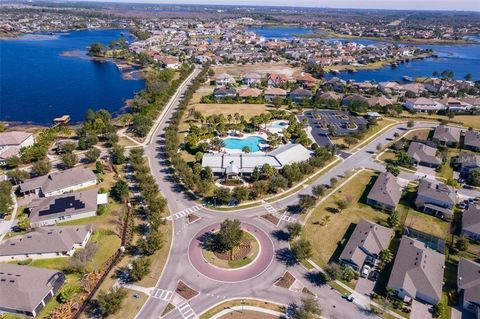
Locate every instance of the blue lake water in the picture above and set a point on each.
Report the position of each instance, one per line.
(461, 59)
(38, 84)
(253, 142)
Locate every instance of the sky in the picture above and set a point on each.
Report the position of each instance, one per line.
(470, 5)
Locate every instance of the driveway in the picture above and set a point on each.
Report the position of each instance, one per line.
(423, 170)
(364, 286)
(420, 310)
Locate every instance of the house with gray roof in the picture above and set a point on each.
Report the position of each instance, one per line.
(447, 135)
(25, 290)
(471, 222)
(59, 182)
(422, 154)
(468, 285)
(365, 244)
(417, 272)
(12, 142)
(385, 193)
(45, 242)
(224, 92)
(436, 199)
(465, 162)
(299, 95)
(224, 79)
(472, 140)
(225, 163)
(47, 211)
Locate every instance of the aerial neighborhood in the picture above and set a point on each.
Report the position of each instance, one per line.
(259, 170)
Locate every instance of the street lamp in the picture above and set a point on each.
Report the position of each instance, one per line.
(243, 302)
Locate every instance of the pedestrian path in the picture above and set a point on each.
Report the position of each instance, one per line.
(162, 294)
(185, 212)
(186, 311)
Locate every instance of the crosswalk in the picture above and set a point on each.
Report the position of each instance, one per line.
(289, 219)
(185, 212)
(162, 294)
(269, 208)
(186, 311)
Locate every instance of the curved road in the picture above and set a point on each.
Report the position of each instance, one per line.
(178, 266)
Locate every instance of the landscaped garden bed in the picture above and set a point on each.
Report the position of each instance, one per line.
(185, 291)
(191, 218)
(271, 218)
(286, 281)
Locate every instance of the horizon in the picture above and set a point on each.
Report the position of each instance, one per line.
(410, 5)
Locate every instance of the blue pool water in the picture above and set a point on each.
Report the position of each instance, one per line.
(237, 144)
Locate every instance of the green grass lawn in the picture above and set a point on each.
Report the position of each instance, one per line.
(328, 240)
(424, 222)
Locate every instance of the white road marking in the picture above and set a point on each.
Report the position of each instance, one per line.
(289, 219)
(269, 208)
(186, 311)
(162, 294)
(185, 212)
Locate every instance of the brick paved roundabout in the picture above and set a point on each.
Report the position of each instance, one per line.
(253, 269)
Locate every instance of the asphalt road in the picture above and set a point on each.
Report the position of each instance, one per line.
(179, 267)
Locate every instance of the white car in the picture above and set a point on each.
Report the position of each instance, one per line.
(365, 271)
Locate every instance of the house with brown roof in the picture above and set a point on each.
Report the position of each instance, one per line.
(272, 93)
(365, 244)
(436, 199)
(276, 79)
(468, 285)
(471, 222)
(423, 104)
(422, 154)
(417, 272)
(45, 242)
(379, 101)
(306, 80)
(447, 135)
(385, 193)
(25, 290)
(249, 92)
(59, 182)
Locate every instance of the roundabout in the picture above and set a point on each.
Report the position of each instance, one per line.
(248, 261)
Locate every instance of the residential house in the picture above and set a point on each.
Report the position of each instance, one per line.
(276, 79)
(246, 93)
(447, 135)
(306, 80)
(471, 222)
(299, 95)
(224, 79)
(465, 162)
(12, 142)
(423, 104)
(271, 93)
(335, 84)
(414, 88)
(330, 96)
(365, 244)
(251, 79)
(221, 93)
(417, 272)
(354, 98)
(363, 87)
(436, 199)
(422, 154)
(25, 290)
(47, 211)
(170, 62)
(472, 140)
(385, 193)
(379, 101)
(59, 182)
(468, 285)
(45, 242)
(454, 105)
(392, 88)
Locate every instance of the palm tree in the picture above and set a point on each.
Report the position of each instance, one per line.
(246, 149)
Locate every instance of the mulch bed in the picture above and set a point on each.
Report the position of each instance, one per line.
(286, 281)
(271, 218)
(185, 291)
(306, 291)
(167, 309)
(192, 218)
(240, 252)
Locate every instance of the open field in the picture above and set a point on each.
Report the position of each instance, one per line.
(247, 314)
(342, 223)
(247, 110)
(465, 120)
(419, 134)
(263, 69)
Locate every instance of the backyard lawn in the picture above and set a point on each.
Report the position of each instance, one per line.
(327, 240)
(424, 222)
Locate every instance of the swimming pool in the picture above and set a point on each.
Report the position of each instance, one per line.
(278, 125)
(237, 144)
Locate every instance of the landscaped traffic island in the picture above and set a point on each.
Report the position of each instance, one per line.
(231, 251)
(240, 256)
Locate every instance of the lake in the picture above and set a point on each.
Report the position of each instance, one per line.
(461, 59)
(38, 84)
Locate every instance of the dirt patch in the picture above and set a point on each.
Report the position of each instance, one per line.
(185, 291)
(271, 218)
(306, 291)
(192, 218)
(239, 253)
(286, 281)
(167, 309)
